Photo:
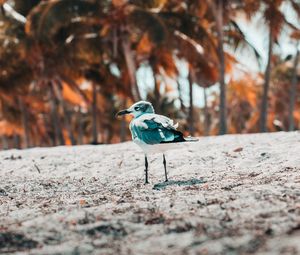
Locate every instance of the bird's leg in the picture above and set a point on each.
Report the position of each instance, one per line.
(165, 165)
(146, 170)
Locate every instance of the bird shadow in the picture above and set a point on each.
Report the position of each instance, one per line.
(163, 185)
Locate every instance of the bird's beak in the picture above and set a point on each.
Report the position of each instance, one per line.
(123, 112)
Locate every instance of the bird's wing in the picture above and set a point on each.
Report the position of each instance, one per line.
(154, 129)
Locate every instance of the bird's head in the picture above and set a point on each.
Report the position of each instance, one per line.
(138, 109)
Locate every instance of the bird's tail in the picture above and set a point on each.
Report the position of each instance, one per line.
(179, 138)
(190, 139)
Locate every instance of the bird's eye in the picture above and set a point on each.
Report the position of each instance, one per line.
(136, 108)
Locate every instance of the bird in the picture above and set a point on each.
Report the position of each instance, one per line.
(153, 132)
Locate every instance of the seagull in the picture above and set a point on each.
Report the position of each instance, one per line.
(153, 132)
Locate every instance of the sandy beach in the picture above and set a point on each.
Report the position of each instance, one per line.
(233, 194)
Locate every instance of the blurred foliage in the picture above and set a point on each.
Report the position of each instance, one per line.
(67, 66)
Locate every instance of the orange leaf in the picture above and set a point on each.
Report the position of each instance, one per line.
(71, 96)
(145, 45)
(9, 129)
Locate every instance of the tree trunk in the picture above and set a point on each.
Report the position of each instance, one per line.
(115, 43)
(16, 141)
(206, 117)
(293, 92)
(4, 142)
(131, 66)
(67, 114)
(182, 107)
(24, 116)
(94, 116)
(80, 127)
(123, 129)
(221, 55)
(123, 124)
(59, 138)
(38, 140)
(191, 108)
(157, 106)
(264, 102)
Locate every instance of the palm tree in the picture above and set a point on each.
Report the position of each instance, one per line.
(67, 114)
(224, 13)
(25, 121)
(66, 52)
(194, 44)
(275, 20)
(131, 65)
(221, 55)
(96, 78)
(264, 102)
(191, 78)
(293, 90)
(16, 75)
(94, 115)
(87, 44)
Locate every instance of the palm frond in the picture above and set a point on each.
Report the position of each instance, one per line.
(48, 18)
(149, 22)
(296, 7)
(241, 40)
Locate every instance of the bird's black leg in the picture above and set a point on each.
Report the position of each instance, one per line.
(165, 165)
(146, 170)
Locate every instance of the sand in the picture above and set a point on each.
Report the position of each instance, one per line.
(233, 194)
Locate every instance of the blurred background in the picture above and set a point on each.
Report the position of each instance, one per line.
(214, 66)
